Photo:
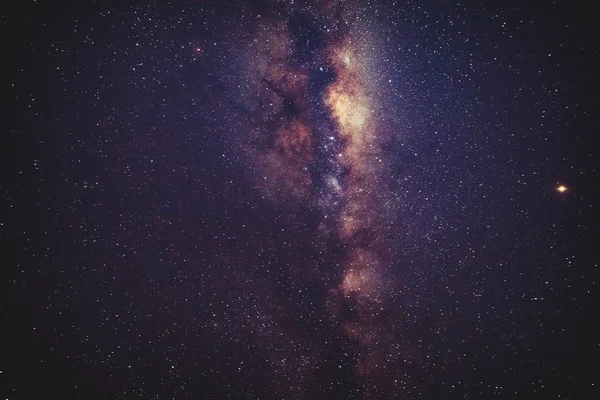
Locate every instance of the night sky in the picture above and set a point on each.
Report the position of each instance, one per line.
(292, 199)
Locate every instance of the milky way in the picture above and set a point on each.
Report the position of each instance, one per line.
(285, 199)
(317, 138)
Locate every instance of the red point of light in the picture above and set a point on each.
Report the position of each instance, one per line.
(561, 189)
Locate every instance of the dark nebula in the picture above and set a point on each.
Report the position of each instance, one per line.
(293, 199)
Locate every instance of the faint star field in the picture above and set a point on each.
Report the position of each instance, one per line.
(285, 199)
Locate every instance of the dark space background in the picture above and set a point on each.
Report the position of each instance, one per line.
(145, 260)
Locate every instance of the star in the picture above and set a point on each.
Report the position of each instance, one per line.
(561, 188)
